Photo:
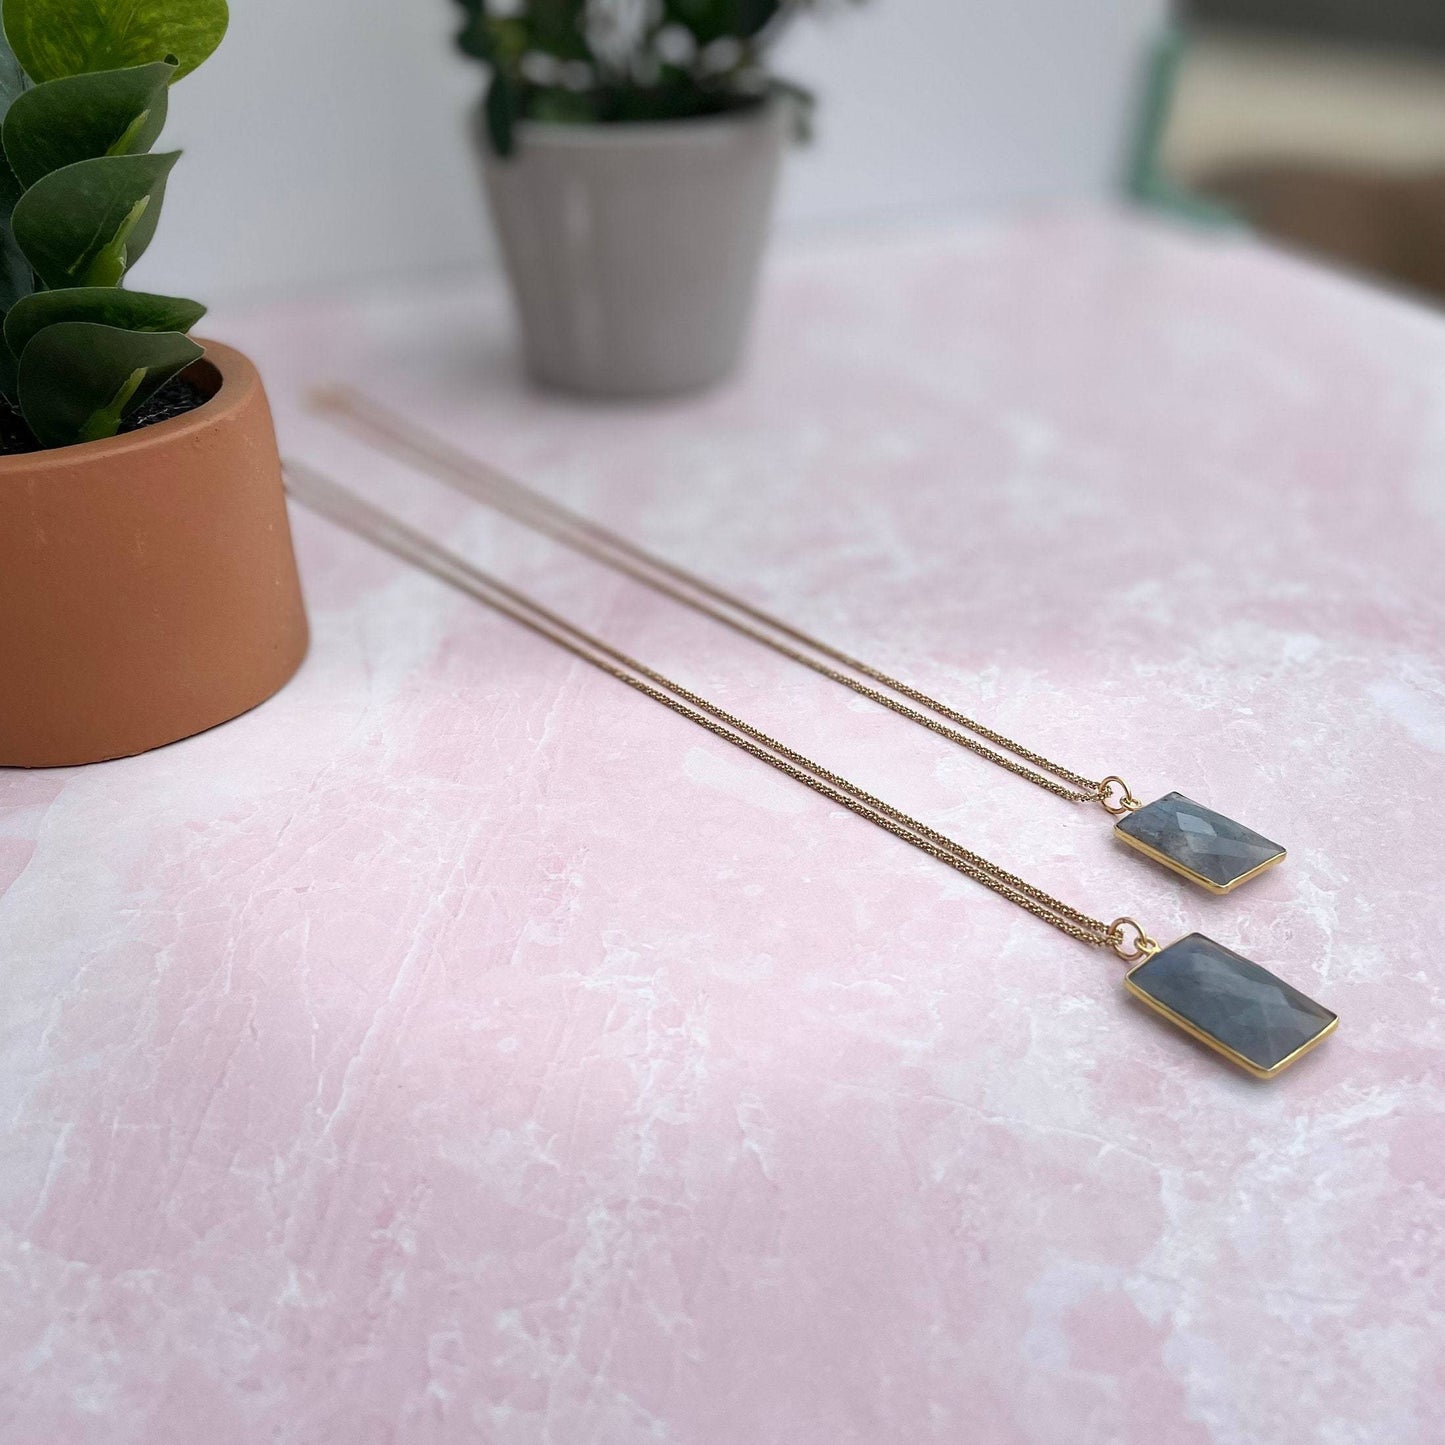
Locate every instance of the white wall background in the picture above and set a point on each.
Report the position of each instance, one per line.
(325, 141)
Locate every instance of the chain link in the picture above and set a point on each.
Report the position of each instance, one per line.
(516, 500)
(322, 495)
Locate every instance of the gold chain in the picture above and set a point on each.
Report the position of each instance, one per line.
(514, 499)
(323, 495)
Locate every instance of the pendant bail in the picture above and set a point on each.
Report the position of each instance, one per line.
(1116, 807)
(1131, 951)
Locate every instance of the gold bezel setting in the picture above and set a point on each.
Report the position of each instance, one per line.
(1220, 1047)
(1175, 819)
(1202, 955)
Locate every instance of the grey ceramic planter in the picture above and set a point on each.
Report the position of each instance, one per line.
(633, 250)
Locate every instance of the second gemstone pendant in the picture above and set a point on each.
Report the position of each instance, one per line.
(1236, 1007)
(1204, 846)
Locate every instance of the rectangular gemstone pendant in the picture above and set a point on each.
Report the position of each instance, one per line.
(1206, 847)
(1236, 1007)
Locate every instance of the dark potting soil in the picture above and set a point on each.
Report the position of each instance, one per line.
(175, 398)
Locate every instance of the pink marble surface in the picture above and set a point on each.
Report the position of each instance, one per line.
(461, 1048)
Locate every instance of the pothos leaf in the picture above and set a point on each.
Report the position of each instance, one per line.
(16, 278)
(85, 224)
(118, 112)
(56, 38)
(80, 380)
(13, 80)
(106, 305)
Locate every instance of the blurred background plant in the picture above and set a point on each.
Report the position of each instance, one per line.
(929, 109)
(598, 61)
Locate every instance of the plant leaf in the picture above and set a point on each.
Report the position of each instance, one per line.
(56, 38)
(752, 17)
(106, 422)
(16, 278)
(85, 224)
(559, 27)
(564, 107)
(80, 380)
(473, 37)
(711, 20)
(119, 112)
(106, 305)
(802, 105)
(13, 80)
(502, 107)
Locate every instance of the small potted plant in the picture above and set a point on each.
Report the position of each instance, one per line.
(631, 151)
(147, 584)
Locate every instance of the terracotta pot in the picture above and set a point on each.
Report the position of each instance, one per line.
(148, 589)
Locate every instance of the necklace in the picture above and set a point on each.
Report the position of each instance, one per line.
(1233, 1005)
(1201, 845)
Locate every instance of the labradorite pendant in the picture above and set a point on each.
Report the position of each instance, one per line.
(1236, 1007)
(1206, 847)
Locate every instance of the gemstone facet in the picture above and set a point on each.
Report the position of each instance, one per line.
(1231, 1004)
(1205, 846)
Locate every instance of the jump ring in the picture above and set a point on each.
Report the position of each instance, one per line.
(1142, 945)
(1127, 802)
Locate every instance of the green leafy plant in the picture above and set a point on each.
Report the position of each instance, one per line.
(83, 95)
(594, 61)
